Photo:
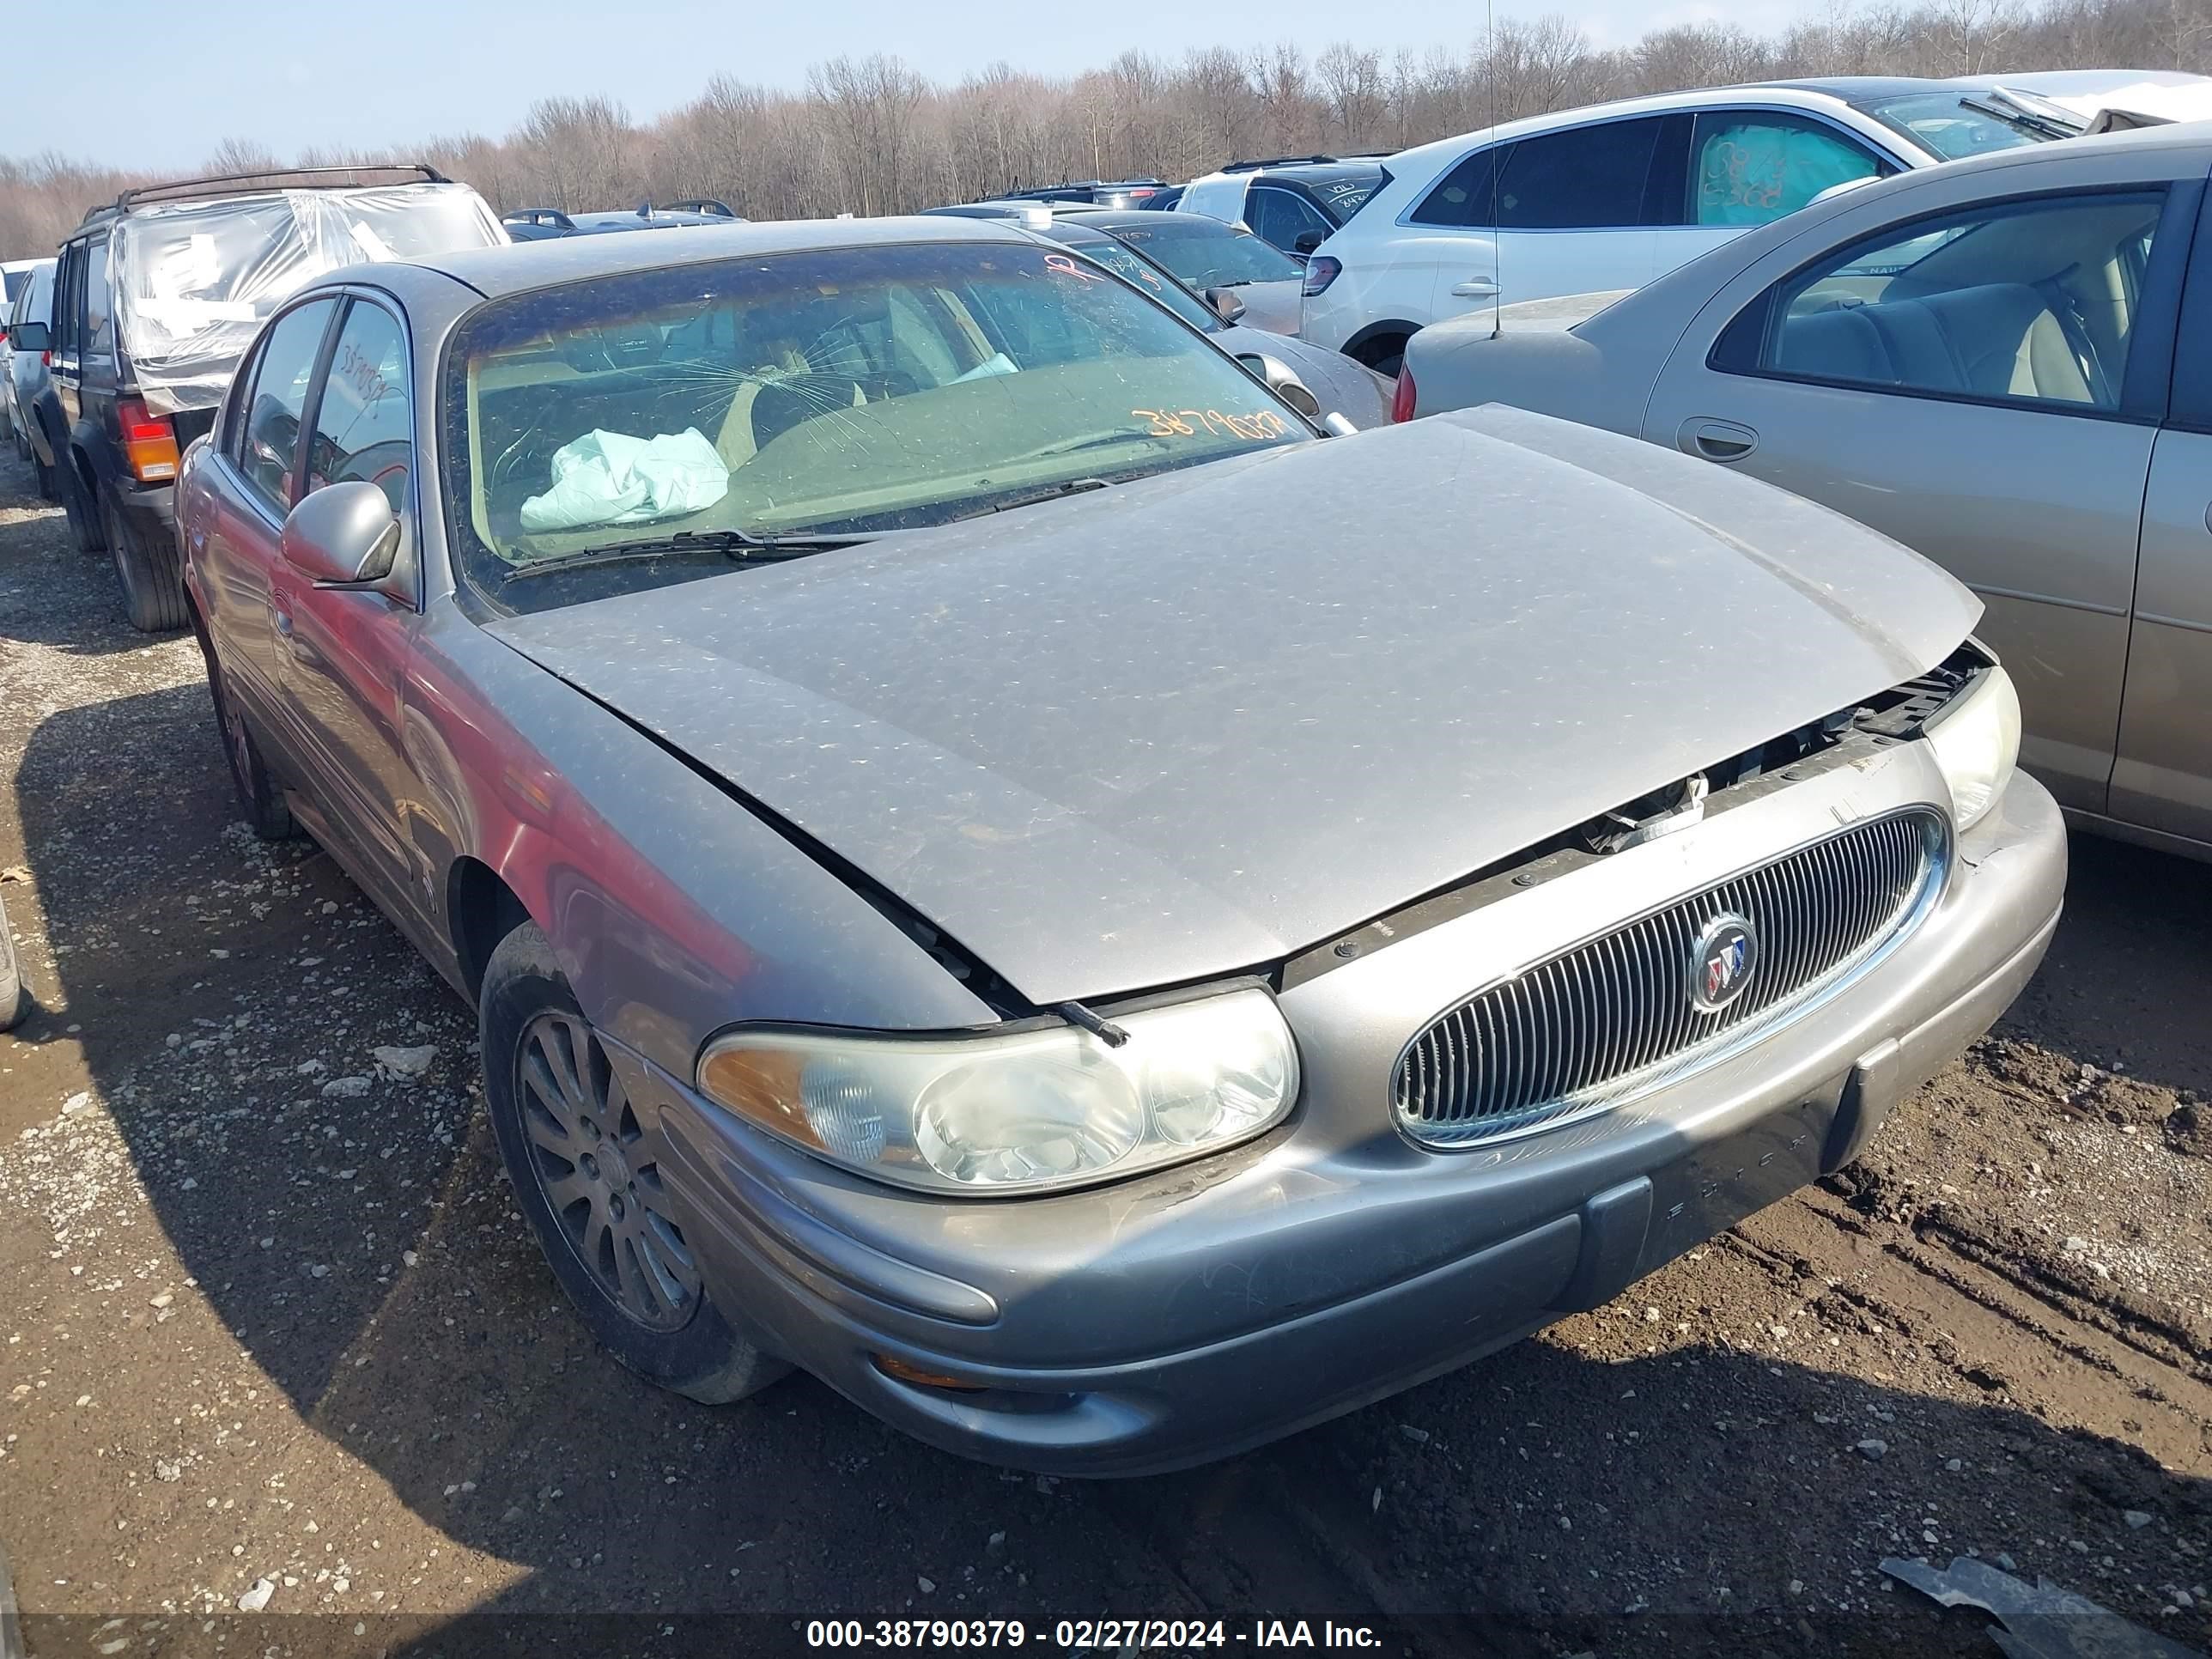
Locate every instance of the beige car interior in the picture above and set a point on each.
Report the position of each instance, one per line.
(2034, 305)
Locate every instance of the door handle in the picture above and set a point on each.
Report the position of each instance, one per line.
(1476, 287)
(1717, 440)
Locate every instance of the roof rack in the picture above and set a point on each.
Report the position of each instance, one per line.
(538, 217)
(235, 183)
(1302, 161)
(701, 204)
(1080, 184)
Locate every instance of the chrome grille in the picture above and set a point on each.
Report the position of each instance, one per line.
(1613, 1017)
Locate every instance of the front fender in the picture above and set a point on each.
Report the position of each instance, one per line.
(673, 907)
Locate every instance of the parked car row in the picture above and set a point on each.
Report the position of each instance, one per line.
(1611, 196)
(1007, 854)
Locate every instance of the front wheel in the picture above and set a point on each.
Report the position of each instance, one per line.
(586, 1175)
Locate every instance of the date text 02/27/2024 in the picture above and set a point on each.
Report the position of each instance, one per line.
(1088, 1635)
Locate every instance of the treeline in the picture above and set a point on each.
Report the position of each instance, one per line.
(868, 135)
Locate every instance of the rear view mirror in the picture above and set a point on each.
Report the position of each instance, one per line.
(1275, 375)
(347, 532)
(30, 337)
(1308, 240)
(1225, 303)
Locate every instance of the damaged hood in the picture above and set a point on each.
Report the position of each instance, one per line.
(1191, 725)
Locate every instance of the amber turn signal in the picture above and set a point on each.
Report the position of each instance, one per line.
(899, 1368)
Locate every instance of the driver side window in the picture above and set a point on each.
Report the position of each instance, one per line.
(364, 420)
(269, 440)
(2029, 302)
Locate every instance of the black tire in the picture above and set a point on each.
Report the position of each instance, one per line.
(11, 994)
(1385, 355)
(584, 1175)
(260, 798)
(77, 503)
(152, 577)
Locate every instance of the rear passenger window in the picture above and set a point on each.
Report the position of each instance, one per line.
(1594, 178)
(1462, 196)
(1280, 216)
(364, 425)
(1585, 178)
(270, 445)
(1747, 167)
(2032, 302)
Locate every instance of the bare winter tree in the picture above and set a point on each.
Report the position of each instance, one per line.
(868, 135)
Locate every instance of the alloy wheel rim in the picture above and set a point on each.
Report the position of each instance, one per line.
(588, 1153)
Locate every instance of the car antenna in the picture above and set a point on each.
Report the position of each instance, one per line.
(1497, 167)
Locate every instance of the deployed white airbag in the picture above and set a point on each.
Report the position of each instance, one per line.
(610, 477)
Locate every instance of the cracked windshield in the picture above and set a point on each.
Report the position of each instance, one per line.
(845, 392)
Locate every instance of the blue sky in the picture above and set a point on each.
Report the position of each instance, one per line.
(292, 75)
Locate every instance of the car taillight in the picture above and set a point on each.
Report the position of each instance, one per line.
(149, 442)
(1401, 401)
(1320, 271)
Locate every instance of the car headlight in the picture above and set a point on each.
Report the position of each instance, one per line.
(1027, 1112)
(1976, 741)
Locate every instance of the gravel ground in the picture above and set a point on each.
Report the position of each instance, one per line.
(271, 1333)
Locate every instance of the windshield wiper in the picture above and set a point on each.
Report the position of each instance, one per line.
(2035, 124)
(737, 546)
(1030, 498)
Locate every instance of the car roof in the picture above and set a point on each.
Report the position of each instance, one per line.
(1322, 172)
(521, 265)
(1148, 219)
(1810, 93)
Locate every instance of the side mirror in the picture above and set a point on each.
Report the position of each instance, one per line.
(1308, 240)
(1225, 303)
(347, 532)
(1275, 375)
(31, 336)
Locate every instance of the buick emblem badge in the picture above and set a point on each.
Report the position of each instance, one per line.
(1722, 962)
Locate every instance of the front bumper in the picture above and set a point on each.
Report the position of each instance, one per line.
(1180, 1317)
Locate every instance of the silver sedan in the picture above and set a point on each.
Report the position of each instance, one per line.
(996, 863)
(1998, 362)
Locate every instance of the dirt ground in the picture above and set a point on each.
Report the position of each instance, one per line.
(262, 1324)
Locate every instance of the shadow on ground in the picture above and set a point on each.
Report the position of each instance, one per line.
(361, 1247)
